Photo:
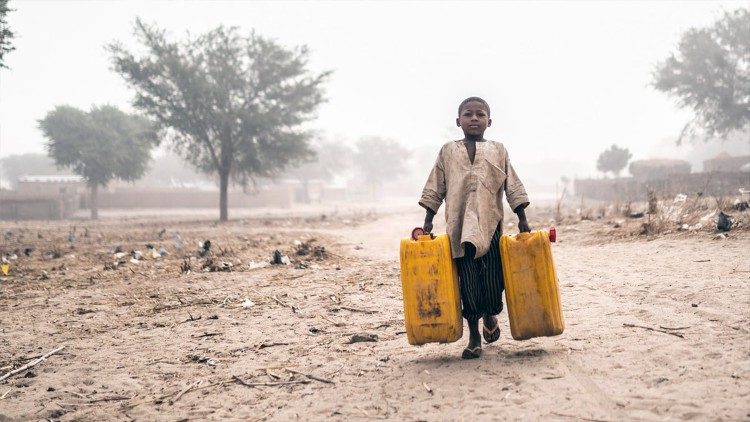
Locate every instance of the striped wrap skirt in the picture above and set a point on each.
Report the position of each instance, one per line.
(481, 280)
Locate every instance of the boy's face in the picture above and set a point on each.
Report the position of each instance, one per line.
(474, 119)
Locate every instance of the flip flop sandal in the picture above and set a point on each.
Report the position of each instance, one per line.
(491, 336)
(472, 353)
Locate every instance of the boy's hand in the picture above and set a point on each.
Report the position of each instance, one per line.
(523, 226)
(429, 215)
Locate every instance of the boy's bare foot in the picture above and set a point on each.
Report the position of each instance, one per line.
(474, 349)
(490, 329)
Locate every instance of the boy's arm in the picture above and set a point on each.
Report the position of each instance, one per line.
(518, 199)
(433, 193)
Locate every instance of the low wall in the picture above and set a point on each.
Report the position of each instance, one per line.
(628, 189)
(36, 207)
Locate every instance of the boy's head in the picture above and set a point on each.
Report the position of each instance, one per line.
(474, 117)
(475, 100)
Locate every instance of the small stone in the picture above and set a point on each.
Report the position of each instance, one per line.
(363, 338)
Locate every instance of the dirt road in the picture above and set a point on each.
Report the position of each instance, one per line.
(145, 342)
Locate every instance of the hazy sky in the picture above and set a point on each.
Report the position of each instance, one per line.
(564, 79)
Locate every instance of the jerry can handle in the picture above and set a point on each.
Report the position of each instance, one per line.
(418, 232)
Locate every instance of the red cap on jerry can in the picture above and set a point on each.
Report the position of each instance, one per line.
(552, 234)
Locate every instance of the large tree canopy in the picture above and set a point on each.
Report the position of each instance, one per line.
(613, 160)
(101, 145)
(710, 73)
(231, 104)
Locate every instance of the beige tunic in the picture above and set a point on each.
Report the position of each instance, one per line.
(473, 193)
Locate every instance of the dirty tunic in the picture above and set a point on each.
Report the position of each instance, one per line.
(473, 193)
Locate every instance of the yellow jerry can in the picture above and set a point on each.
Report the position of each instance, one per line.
(432, 299)
(531, 289)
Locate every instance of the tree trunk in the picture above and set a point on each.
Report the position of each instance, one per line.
(94, 202)
(223, 185)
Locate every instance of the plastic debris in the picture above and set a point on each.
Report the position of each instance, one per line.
(162, 252)
(247, 303)
(178, 241)
(204, 248)
(120, 255)
(741, 205)
(5, 267)
(680, 197)
(280, 259)
(724, 223)
(720, 236)
(134, 261)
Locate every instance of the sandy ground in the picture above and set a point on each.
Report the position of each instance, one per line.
(145, 342)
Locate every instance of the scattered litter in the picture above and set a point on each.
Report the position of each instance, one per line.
(162, 252)
(301, 265)
(253, 265)
(681, 197)
(363, 338)
(5, 267)
(619, 223)
(741, 205)
(724, 222)
(720, 236)
(28, 251)
(134, 261)
(137, 255)
(204, 248)
(636, 214)
(280, 259)
(247, 303)
(203, 359)
(120, 255)
(177, 241)
(685, 227)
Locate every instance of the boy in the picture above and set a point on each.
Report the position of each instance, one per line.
(471, 176)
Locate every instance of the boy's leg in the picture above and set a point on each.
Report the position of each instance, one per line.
(468, 274)
(492, 285)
